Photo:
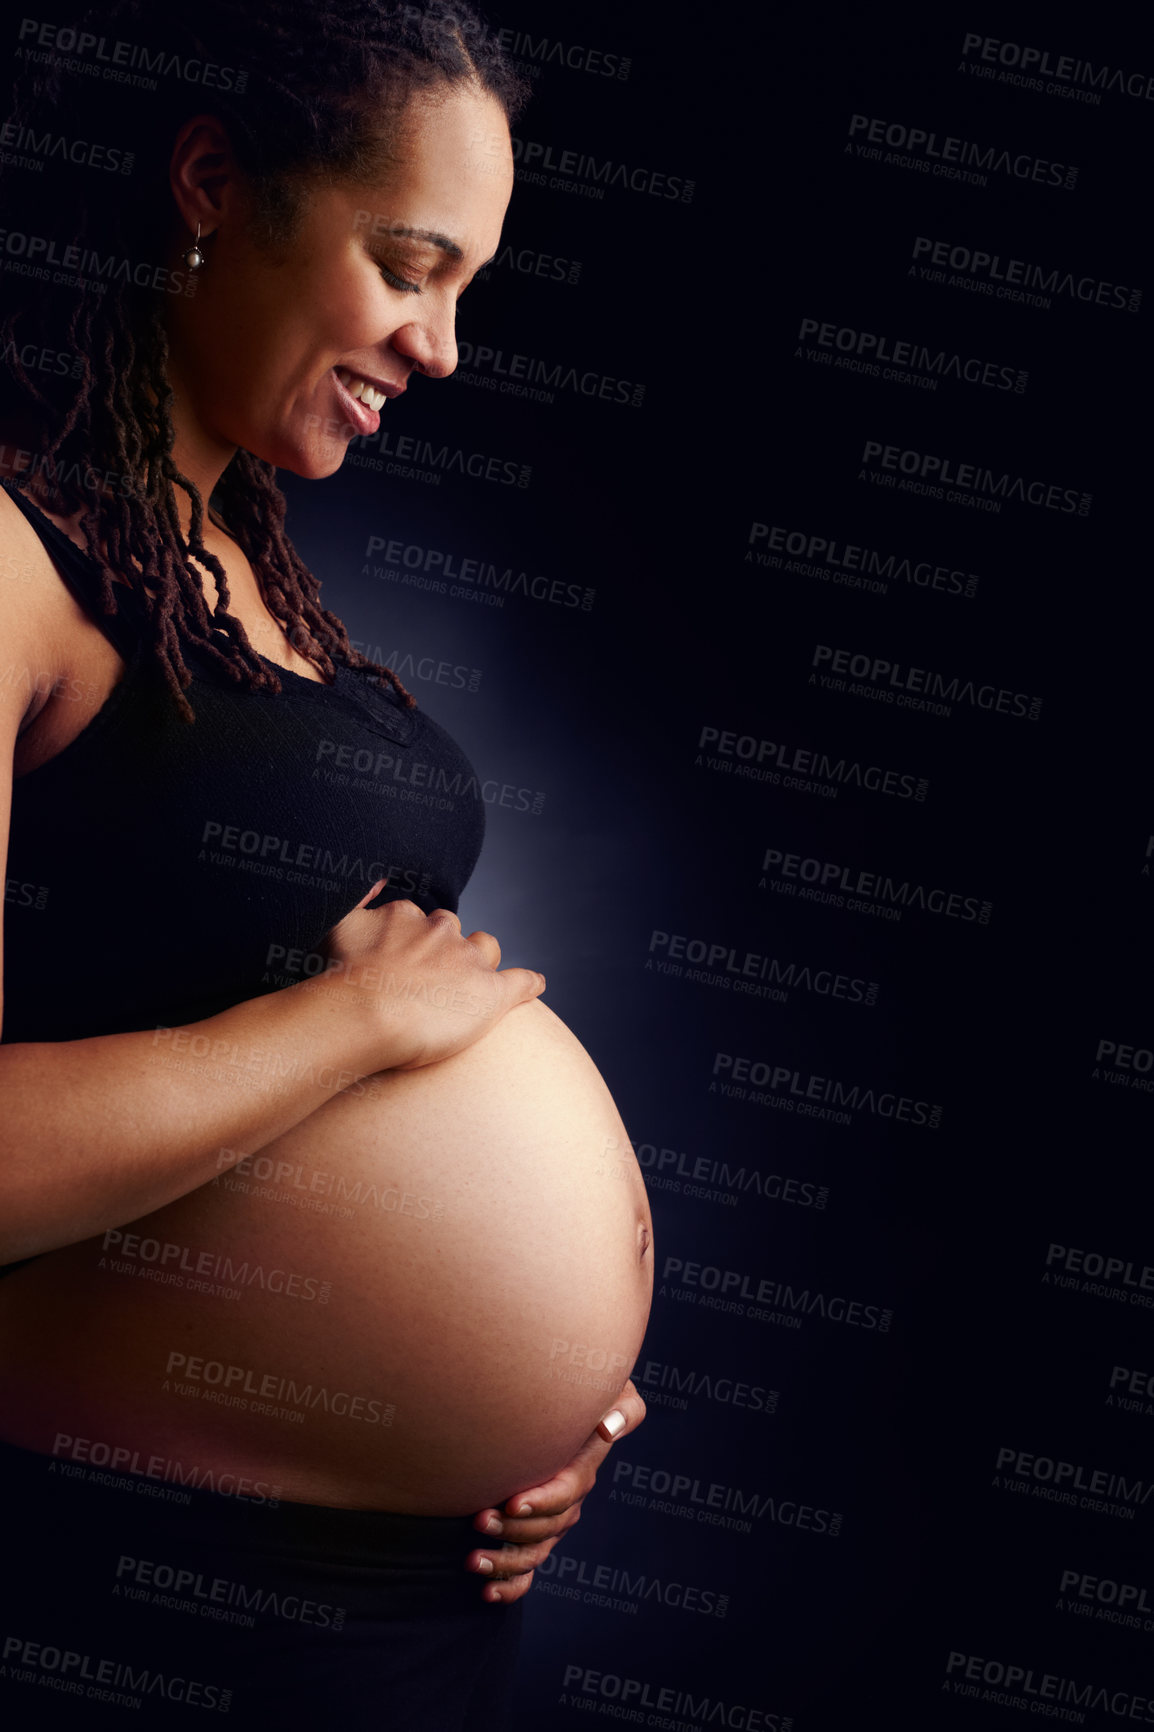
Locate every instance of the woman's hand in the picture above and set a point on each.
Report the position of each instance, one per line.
(421, 990)
(554, 1507)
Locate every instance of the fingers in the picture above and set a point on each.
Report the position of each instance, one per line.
(521, 984)
(624, 1416)
(487, 945)
(531, 1522)
(576, 1479)
(383, 955)
(554, 1497)
(530, 1530)
(445, 914)
(509, 1572)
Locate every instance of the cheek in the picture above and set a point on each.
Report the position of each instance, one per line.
(336, 321)
(269, 358)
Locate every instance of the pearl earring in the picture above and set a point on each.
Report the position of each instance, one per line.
(193, 257)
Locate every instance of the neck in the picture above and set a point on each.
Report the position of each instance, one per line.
(195, 454)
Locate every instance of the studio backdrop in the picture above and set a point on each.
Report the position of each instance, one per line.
(776, 552)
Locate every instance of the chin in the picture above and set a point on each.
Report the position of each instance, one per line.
(311, 462)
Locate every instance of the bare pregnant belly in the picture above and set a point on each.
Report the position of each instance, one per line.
(422, 1298)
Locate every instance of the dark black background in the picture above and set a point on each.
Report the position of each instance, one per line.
(601, 710)
(702, 302)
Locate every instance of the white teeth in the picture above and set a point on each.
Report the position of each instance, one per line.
(358, 387)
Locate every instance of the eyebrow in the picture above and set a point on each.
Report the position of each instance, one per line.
(438, 240)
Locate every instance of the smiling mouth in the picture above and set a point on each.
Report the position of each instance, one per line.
(363, 389)
(358, 400)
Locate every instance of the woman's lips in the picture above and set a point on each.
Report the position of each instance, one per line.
(362, 418)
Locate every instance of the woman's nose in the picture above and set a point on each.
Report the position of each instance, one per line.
(431, 344)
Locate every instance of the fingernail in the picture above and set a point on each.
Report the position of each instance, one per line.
(525, 1509)
(496, 1594)
(492, 1526)
(485, 1565)
(614, 1422)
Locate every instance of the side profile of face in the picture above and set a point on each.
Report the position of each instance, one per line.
(366, 288)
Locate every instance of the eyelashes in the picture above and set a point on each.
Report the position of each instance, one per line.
(401, 283)
(404, 284)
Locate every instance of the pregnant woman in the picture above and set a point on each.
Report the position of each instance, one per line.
(326, 1248)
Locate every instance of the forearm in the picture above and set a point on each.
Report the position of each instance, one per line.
(100, 1131)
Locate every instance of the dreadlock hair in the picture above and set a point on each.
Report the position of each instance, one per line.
(308, 91)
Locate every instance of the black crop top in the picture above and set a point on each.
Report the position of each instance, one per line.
(160, 871)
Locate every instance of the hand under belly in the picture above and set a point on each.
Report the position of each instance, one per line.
(423, 1297)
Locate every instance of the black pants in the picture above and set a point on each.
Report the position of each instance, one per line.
(127, 1601)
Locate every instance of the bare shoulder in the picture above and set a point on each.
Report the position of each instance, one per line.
(30, 615)
(47, 636)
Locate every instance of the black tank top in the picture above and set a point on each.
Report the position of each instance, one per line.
(160, 871)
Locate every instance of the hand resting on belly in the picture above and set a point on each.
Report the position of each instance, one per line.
(482, 1227)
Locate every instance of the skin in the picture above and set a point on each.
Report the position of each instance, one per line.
(251, 358)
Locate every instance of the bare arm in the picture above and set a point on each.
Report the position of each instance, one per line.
(96, 1132)
(99, 1131)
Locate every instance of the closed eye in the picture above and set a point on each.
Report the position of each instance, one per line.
(401, 283)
